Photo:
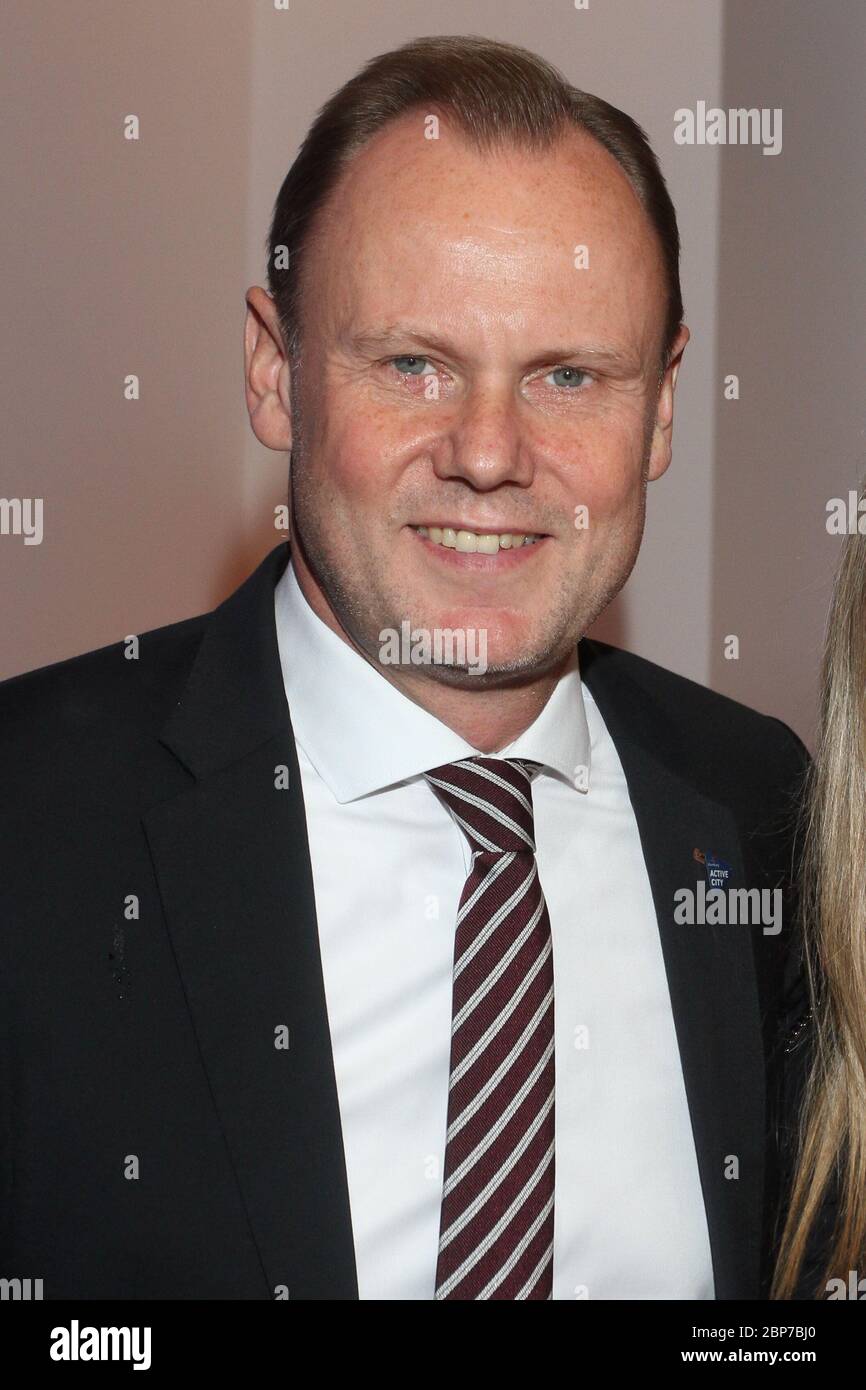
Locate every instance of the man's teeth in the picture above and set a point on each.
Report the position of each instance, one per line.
(471, 541)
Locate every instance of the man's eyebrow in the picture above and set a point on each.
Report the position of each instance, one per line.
(404, 335)
(602, 353)
(399, 334)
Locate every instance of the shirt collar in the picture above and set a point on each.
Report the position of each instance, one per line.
(362, 734)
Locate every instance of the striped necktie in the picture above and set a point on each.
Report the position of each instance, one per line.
(496, 1224)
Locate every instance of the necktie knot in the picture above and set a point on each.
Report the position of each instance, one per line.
(491, 799)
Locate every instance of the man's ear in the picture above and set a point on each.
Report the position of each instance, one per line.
(267, 372)
(660, 449)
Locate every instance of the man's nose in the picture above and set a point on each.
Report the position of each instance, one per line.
(486, 443)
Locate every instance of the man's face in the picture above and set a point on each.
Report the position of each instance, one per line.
(464, 369)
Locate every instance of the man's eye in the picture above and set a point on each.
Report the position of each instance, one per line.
(410, 366)
(567, 376)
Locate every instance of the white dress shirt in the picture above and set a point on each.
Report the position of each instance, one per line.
(389, 863)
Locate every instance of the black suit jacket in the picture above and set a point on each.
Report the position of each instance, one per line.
(159, 926)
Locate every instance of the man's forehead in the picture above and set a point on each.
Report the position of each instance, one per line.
(415, 234)
(496, 210)
(506, 189)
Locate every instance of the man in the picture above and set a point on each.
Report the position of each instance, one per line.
(342, 955)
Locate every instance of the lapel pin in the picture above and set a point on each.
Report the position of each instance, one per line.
(717, 871)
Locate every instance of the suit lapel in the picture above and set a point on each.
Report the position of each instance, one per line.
(233, 866)
(710, 972)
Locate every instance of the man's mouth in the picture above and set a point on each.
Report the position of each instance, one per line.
(477, 542)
